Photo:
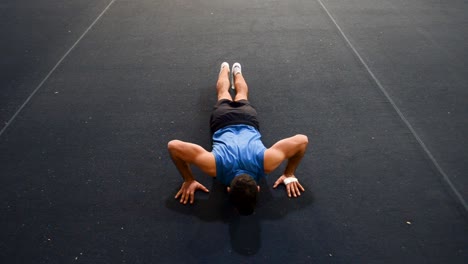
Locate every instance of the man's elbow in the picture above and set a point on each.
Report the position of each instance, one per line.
(174, 146)
(302, 141)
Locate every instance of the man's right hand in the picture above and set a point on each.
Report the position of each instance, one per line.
(187, 191)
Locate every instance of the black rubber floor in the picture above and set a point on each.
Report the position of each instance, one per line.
(92, 91)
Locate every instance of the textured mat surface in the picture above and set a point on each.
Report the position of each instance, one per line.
(86, 177)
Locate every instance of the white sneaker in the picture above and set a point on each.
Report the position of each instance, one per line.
(236, 68)
(224, 64)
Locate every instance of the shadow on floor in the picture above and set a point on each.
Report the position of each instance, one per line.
(244, 231)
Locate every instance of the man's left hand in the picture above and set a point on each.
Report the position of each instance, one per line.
(293, 188)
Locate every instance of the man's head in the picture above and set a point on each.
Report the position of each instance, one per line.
(243, 193)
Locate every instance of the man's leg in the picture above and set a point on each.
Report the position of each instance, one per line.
(222, 86)
(242, 89)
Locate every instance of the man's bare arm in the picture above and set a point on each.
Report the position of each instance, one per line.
(184, 154)
(292, 149)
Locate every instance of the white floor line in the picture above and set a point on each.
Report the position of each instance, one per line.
(403, 118)
(53, 69)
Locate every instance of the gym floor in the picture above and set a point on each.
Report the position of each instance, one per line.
(92, 91)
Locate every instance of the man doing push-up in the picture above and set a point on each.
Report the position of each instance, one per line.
(238, 158)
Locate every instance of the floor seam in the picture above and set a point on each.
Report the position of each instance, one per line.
(400, 114)
(8, 123)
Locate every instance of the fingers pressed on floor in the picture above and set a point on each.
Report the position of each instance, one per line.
(296, 187)
(300, 186)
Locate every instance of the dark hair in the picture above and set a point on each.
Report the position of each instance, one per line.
(244, 193)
